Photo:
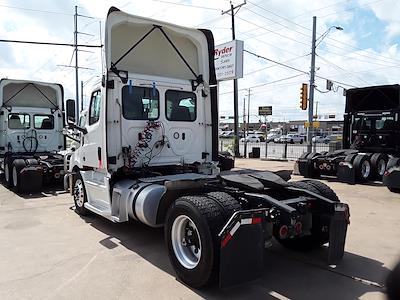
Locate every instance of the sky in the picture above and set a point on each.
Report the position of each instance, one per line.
(364, 53)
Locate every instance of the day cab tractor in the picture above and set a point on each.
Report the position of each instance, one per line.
(149, 152)
(31, 137)
(371, 139)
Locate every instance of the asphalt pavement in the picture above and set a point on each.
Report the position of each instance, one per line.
(50, 252)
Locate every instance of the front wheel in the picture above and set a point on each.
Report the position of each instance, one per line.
(80, 197)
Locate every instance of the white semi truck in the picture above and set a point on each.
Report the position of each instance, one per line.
(149, 152)
(31, 137)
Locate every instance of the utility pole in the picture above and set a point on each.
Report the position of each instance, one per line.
(311, 94)
(235, 81)
(81, 95)
(244, 127)
(248, 111)
(76, 64)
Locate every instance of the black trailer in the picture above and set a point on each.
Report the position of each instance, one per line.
(371, 137)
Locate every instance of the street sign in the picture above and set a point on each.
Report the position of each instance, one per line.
(265, 110)
(228, 60)
(314, 124)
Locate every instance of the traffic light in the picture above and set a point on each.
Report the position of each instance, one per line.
(303, 96)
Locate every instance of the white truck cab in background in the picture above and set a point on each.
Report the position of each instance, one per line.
(31, 133)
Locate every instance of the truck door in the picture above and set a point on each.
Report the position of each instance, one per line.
(93, 140)
(184, 113)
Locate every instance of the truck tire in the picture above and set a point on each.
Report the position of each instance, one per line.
(378, 164)
(226, 202)
(324, 190)
(80, 197)
(320, 224)
(362, 168)
(304, 155)
(191, 236)
(393, 162)
(17, 166)
(8, 172)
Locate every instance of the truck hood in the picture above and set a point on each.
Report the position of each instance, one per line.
(132, 44)
(27, 93)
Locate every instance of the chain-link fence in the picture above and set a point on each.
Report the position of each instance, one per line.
(275, 150)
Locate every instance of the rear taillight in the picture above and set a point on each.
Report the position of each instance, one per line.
(283, 232)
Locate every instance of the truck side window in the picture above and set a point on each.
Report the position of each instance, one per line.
(19, 121)
(140, 103)
(180, 106)
(94, 110)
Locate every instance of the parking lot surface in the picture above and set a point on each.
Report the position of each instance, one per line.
(49, 252)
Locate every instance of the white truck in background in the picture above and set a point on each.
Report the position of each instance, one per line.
(31, 133)
(149, 152)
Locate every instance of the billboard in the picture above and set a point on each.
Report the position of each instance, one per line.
(265, 110)
(228, 60)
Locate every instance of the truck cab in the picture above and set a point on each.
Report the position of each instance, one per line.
(32, 121)
(149, 152)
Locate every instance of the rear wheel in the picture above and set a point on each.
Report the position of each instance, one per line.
(378, 164)
(362, 167)
(191, 235)
(320, 223)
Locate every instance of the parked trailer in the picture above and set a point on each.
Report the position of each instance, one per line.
(149, 152)
(371, 135)
(31, 125)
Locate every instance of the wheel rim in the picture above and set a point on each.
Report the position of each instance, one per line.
(365, 169)
(79, 195)
(15, 176)
(186, 242)
(6, 173)
(381, 167)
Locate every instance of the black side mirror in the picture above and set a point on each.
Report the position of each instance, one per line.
(71, 110)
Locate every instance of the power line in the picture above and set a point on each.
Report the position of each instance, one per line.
(187, 5)
(49, 43)
(329, 38)
(36, 10)
(264, 84)
(262, 69)
(276, 62)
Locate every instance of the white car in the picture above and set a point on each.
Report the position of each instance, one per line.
(318, 139)
(293, 138)
(251, 139)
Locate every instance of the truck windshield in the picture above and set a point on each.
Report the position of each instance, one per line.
(374, 123)
(18, 121)
(140, 103)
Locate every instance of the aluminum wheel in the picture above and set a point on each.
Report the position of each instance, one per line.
(381, 166)
(186, 242)
(365, 169)
(6, 173)
(79, 193)
(15, 176)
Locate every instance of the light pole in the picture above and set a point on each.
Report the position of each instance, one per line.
(314, 45)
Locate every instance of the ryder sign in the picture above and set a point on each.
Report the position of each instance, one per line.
(228, 60)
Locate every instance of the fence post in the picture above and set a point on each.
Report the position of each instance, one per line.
(266, 148)
(285, 151)
(222, 147)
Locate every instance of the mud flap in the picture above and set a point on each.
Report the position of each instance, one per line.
(337, 233)
(346, 174)
(242, 251)
(392, 180)
(305, 167)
